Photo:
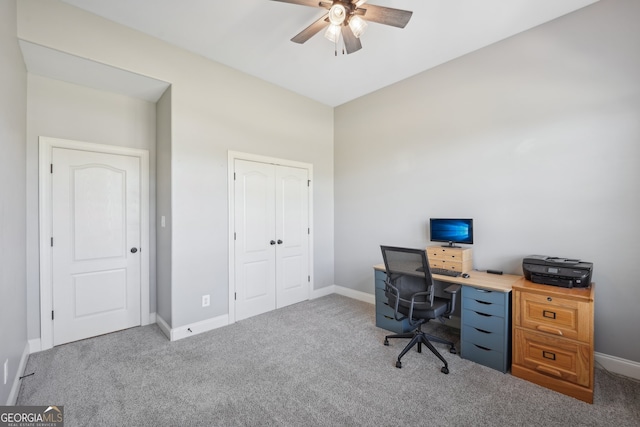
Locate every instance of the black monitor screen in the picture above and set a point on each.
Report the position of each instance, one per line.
(452, 230)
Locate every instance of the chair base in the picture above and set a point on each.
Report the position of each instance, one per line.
(418, 337)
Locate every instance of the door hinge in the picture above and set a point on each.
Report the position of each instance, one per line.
(52, 242)
(51, 167)
(234, 176)
(308, 230)
(235, 296)
(309, 279)
(234, 235)
(51, 314)
(308, 183)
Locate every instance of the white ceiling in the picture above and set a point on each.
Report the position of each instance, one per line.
(253, 36)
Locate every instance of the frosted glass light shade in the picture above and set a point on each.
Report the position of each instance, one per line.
(337, 14)
(357, 25)
(332, 33)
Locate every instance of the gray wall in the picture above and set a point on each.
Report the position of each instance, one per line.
(13, 113)
(536, 137)
(62, 110)
(163, 206)
(214, 109)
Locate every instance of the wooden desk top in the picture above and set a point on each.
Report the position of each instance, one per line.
(477, 279)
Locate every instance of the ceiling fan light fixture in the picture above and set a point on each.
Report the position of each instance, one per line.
(332, 33)
(357, 25)
(337, 14)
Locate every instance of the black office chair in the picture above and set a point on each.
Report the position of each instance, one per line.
(409, 290)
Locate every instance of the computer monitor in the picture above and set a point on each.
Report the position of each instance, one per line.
(451, 231)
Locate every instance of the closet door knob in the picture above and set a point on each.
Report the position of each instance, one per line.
(279, 241)
(273, 242)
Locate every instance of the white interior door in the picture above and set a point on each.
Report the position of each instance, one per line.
(292, 233)
(255, 238)
(271, 217)
(96, 268)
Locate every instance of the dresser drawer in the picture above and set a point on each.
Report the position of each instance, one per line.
(447, 265)
(379, 277)
(390, 324)
(449, 254)
(483, 307)
(554, 315)
(485, 322)
(555, 357)
(484, 295)
(485, 356)
(486, 339)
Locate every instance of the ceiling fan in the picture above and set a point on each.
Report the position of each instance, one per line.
(349, 19)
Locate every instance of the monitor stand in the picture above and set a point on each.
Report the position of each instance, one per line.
(451, 245)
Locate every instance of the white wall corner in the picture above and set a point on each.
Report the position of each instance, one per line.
(35, 345)
(152, 319)
(164, 326)
(15, 387)
(323, 292)
(192, 329)
(617, 365)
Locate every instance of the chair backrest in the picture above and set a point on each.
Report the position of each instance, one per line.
(408, 271)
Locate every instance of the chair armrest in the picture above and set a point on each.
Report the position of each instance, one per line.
(451, 306)
(453, 289)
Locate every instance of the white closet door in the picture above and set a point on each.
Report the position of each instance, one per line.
(255, 239)
(292, 233)
(271, 216)
(96, 241)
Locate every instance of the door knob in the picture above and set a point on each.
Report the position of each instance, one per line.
(134, 250)
(279, 241)
(273, 242)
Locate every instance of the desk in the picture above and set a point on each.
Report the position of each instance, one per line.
(485, 332)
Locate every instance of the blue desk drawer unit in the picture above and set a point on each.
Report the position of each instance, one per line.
(486, 327)
(384, 313)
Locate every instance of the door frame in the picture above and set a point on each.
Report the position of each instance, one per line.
(46, 146)
(232, 157)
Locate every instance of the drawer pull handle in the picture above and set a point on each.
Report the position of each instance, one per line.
(482, 348)
(549, 371)
(544, 328)
(387, 317)
(483, 302)
(548, 355)
(483, 331)
(549, 314)
(484, 291)
(482, 314)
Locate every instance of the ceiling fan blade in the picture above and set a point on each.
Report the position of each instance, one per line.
(385, 15)
(311, 30)
(310, 3)
(351, 42)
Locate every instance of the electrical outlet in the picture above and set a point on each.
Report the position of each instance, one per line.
(206, 300)
(6, 370)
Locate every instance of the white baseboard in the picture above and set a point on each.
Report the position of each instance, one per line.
(15, 387)
(323, 292)
(617, 365)
(35, 345)
(192, 329)
(341, 290)
(359, 295)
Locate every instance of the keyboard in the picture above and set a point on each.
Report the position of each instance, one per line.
(445, 272)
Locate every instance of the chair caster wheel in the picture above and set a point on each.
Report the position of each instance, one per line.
(386, 341)
(398, 364)
(453, 350)
(444, 370)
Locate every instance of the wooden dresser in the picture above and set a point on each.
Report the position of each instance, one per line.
(553, 337)
(454, 259)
